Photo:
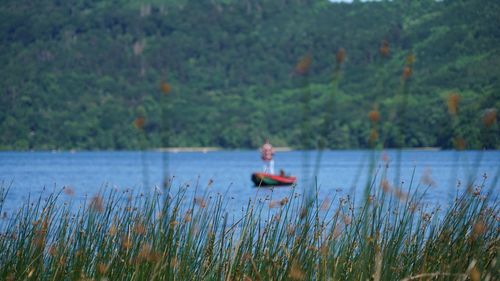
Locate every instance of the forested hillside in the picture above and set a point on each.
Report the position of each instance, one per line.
(145, 74)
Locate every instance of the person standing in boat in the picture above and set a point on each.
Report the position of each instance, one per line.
(267, 152)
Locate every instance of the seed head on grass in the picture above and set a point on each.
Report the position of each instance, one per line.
(413, 207)
(385, 158)
(139, 122)
(459, 143)
(276, 217)
(303, 213)
(138, 47)
(96, 204)
(52, 250)
(174, 262)
(159, 215)
(407, 72)
(278, 203)
(426, 217)
(410, 59)
(337, 231)
(139, 228)
(386, 187)
(165, 88)
(112, 230)
(102, 268)
(68, 191)
(453, 100)
(384, 49)
(489, 117)
(187, 216)
(340, 56)
(325, 205)
(39, 241)
(302, 67)
(479, 229)
(296, 272)
(347, 220)
(474, 274)
(373, 136)
(62, 261)
(173, 223)
(400, 194)
(284, 201)
(427, 178)
(146, 254)
(126, 242)
(30, 272)
(200, 202)
(374, 116)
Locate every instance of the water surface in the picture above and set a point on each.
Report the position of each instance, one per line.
(340, 172)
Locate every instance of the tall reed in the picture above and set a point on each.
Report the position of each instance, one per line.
(120, 235)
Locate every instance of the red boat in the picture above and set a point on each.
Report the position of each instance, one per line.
(264, 179)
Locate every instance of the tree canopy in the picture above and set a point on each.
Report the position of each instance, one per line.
(117, 74)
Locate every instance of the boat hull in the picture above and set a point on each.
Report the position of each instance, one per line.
(264, 179)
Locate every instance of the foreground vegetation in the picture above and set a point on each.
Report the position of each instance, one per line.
(78, 79)
(389, 235)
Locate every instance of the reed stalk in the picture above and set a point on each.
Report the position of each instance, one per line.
(120, 235)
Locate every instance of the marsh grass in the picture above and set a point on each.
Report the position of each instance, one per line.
(118, 235)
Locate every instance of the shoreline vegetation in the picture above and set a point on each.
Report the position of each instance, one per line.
(391, 234)
(97, 76)
(277, 149)
(212, 149)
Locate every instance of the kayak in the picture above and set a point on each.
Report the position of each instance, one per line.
(264, 179)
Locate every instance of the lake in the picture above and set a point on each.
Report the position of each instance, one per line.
(228, 172)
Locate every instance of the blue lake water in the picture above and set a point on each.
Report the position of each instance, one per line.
(345, 172)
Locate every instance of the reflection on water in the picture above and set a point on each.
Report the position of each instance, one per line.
(228, 172)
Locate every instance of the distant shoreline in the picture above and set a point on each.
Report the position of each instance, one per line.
(189, 149)
(215, 149)
(280, 148)
(277, 149)
(211, 149)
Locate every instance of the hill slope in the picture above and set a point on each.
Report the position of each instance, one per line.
(78, 75)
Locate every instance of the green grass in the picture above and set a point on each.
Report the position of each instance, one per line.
(117, 235)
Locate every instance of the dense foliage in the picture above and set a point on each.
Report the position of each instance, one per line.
(141, 74)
